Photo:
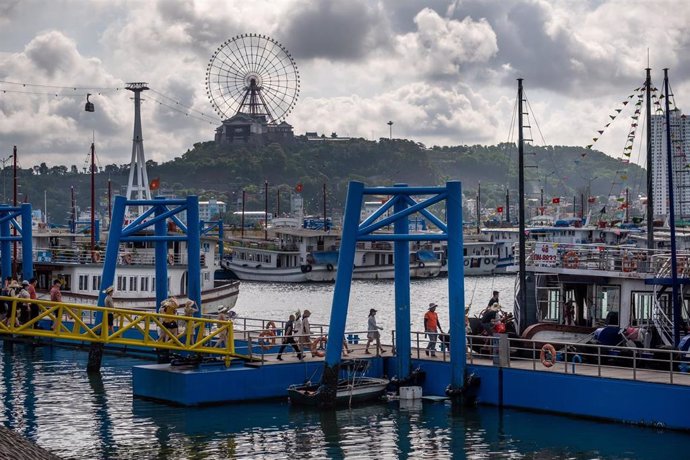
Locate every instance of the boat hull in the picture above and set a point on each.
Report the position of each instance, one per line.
(365, 389)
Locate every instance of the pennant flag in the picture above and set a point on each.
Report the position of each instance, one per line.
(627, 154)
(634, 125)
(626, 102)
(607, 125)
(625, 161)
(619, 110)
(603, 210)
(555, 200)
(630, 97)
(635, 117)
(601, 132)
(595, 139)
(613, 117)
(155, 184)
(588, 147)
(499, 209)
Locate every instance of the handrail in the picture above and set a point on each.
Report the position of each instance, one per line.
(69, 323)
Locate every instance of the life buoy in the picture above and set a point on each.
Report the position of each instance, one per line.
(487, 261)
(171, 259)
(421, 265)
(548, 348)
(629, 264)
(570, 260)
(316, 344)
(95, 256)
(329, 267)
(127, 258)
(267, 339)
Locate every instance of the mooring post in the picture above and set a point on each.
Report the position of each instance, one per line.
(341, 294)
(402, 290)
(108, 277)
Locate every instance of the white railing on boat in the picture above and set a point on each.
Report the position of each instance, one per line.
(125, 257)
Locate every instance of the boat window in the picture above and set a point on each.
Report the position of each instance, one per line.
(144, 283)
(132, 283)
(83, 282)
(153, 284)
(607, 304)
(96, 282)
(549, 305)
(121, 283)
(642, 304)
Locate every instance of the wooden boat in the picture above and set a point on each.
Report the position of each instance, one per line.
(349, 391)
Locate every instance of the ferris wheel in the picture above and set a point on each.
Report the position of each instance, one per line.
(252, 74)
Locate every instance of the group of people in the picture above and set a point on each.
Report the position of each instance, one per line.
(26, 311)
(297, 326)
(171, 326)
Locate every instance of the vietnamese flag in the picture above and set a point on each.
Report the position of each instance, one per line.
(499, 209)
(155, 184)
(299, 188)
(556, 200)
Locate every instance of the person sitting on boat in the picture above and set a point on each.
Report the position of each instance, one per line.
(289, 339)
(489, 317)
(493, 299)
(169, 307)
(108, 302)
(569, 312)
(373, 333)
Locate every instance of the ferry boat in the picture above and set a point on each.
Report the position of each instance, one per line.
(622, 287)
(292, 255)
(375, 261)
(64, 256)
(479, 256)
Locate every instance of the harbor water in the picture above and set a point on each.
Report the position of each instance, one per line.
(47, 396)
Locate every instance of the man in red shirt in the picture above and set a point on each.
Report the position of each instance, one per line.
(432, 328)
(55, 296)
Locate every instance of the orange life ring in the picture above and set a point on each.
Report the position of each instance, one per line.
(267, 339)
(315, 346)
(171, 259)
(95, 256)
(548, 348)
(570, 260)
(127, 258)
(629, 264)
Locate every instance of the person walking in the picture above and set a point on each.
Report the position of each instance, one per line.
(305, 333)
(56, 296)
(108, 302)
(223, 335)
(288, 339)
(24, 307)
(33, 307)
(431, 328)
(373, 333)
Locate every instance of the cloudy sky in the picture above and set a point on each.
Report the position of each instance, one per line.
(444, 71)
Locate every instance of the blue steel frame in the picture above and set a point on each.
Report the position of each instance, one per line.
(156, 216)
(403, 205)
(8, 218)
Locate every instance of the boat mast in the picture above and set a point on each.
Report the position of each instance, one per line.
(93, 198)
(672, 219)
(521, 210)
(650, 201)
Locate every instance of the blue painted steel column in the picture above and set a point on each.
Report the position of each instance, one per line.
(97, 231)
(343, 279)
(5, 246)
(27, 244)
(456, 284)
(194, 252)
(112, 250)
(402, 291)
(161, 250)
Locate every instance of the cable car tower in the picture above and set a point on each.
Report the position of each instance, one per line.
(138, 184)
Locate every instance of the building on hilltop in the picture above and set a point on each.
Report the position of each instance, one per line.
(243, 128)
(680, 146)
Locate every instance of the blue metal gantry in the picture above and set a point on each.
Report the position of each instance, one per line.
(156, 216)
(403, 205)
(8, 218)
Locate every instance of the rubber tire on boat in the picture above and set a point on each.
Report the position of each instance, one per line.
(305, 268)
(329, 267)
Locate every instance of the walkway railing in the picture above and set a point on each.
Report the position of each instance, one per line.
(120, 326)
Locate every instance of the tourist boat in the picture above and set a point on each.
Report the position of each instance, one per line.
(479, 256)
(64, 256)
(349, 391)
(292, 255)
(374, 260)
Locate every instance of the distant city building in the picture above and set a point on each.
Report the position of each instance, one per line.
(253, 129)
(680, 146)
(211, 210)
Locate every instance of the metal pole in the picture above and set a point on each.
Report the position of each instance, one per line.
(401, 259)
(244, 195)
(507, 205)
(161, 251)
(193, 251)
(14, 203)
(325, 225)
(672, 218)
(266, 210)
(524, 318)
(93, 198)
(479, 199)
(27, 244)
(650, 200)
(110, 207)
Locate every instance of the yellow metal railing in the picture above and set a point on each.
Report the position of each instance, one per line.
(154, 330)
